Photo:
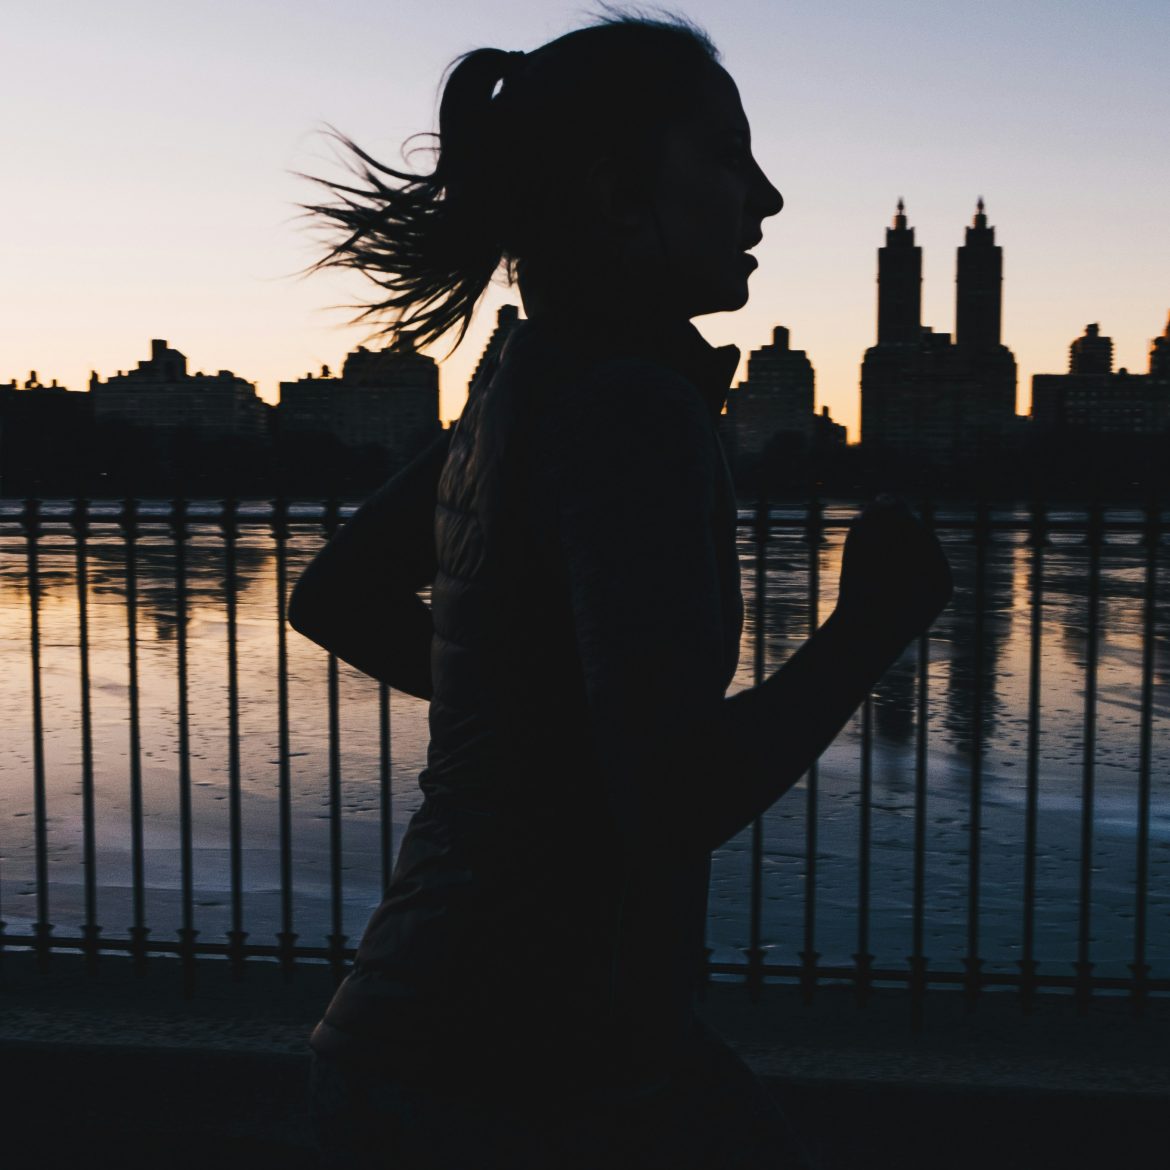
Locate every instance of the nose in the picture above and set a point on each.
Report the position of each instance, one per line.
(769, 201)
(765, 200)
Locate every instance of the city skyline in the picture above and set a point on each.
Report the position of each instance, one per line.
(898, 313)
(175, 216)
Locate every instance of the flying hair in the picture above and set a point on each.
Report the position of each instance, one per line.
(515, 130)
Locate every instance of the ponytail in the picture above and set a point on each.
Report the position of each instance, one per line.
(430, 242)
(515, 131)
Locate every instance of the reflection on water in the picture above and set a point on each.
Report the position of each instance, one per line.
(976, 666)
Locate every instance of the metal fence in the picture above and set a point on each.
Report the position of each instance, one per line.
(25, 527)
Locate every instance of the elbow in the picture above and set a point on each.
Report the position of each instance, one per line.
(306, 610)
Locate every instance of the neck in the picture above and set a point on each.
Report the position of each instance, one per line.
(547, 296)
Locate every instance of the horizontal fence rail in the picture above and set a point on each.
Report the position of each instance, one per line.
(169, 742)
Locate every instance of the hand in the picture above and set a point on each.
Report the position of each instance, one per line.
(895, 579)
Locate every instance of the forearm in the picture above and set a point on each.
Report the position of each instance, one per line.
(695, 772)
(389, 643)
(385, 634)
(895, 581)
(767, 737)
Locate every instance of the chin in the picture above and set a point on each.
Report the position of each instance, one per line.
(739, 299)
(727, 300)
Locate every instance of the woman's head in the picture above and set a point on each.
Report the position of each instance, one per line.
(613, 161)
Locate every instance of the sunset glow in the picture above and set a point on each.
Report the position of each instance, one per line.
(150, 158)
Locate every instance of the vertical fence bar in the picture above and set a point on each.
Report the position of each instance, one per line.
(755, 950)
(3, 924)
(918, 959)
(180, 531)
(286, 938)
(336, 937)
(229, 525)
(971, 961)
(386, 793)
(1037, 540)
(42, 928)
(1140, 968)
(809, 954)
(139, 930)
(1084, 966)
(863, 959)
(79, 521)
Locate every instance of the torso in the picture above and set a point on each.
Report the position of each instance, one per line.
(502, 916)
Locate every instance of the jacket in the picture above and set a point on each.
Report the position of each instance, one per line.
(587, 616)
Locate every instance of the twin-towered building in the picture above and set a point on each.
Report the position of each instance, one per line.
(922, 392)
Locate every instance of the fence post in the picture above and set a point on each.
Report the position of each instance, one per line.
(918, 959)
(128, 522)
(1084, 965)
(286, 937)
(42, 927)
(862, 958)
(385, 788)
(1140, 968)
(79, 522)
(755, 950)
(1038, 538)
(237, 935)
(809, 955)
(336, 937)
(981, 535)
(180, 531)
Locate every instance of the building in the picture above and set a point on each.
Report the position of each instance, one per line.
(161, 395)
(921, 392)
(827, 434)
(34, 386)
(774, 407)
(1160, 355)
(776, 399)
(44, 435)
(386, 398)
(34, 396)
(507, 317)
(1091, 397)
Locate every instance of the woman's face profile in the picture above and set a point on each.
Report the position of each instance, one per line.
(710, 199)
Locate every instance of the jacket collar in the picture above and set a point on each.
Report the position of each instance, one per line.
(679, 347)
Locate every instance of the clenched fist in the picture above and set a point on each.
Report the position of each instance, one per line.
(895, 579)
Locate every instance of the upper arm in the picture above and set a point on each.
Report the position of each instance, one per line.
(385, 551)
(634, 463)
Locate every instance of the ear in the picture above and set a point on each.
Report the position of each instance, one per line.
(617, 201)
